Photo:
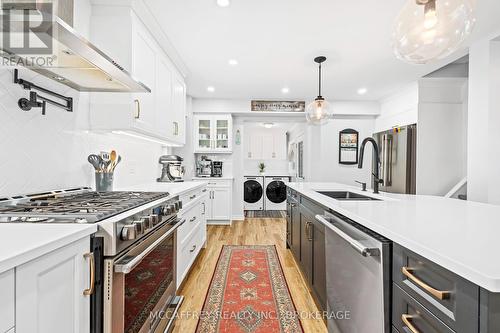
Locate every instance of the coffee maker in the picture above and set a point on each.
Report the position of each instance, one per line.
(204, 167)
(216, 169)
(172, 170)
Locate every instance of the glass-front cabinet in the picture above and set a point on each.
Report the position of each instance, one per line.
(213, 133)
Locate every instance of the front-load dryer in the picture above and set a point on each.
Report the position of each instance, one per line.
(253, 189)
(275, 189)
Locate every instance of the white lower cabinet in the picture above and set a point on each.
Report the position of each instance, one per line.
(7, 301)
(219, 201)
(192, 234)
(50, 292)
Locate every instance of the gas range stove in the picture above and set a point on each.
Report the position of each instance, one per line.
(123, 217)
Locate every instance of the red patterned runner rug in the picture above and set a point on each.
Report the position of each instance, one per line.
(249, 294)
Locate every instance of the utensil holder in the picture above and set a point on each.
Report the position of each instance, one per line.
(104, 181)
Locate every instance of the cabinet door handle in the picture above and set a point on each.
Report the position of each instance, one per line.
(249, 155)
(194, 248)
(407, 321)
(204, 208)
(408, 272)
(309, 231)
(90, 257)
(137, 109)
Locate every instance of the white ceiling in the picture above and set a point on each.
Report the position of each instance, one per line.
(275, 42)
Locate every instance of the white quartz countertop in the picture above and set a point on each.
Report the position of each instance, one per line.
(20, 243)
(462, 236)
(174, 189)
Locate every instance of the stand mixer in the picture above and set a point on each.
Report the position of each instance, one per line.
(172, 169)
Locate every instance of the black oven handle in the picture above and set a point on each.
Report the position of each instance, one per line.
(129, 265)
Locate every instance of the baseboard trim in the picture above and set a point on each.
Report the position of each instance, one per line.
(238, 217)
(219, 222)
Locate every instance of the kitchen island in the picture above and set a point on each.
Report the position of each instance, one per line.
(451, 238)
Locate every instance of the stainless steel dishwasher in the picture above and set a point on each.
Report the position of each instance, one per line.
(358, 281)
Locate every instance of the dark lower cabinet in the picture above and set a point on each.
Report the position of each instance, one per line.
(288, 225)
(312, 259)
(318, 263)
(295, 232)
(306, 244)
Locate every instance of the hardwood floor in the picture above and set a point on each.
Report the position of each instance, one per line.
(252, 231)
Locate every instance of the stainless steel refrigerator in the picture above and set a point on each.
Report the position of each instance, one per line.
(398, 158)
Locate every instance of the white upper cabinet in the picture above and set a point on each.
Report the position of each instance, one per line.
(265, 144)
(160, 114)
(213, 133)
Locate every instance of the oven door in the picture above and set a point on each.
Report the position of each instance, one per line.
(140, 284)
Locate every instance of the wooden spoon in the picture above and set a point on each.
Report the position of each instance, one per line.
(113, 160)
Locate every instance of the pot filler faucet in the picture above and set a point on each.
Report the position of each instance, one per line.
(376, 168)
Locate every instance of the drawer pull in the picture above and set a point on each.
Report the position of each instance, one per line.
(194, 248)
(204, 190)
(193, 219)
(408, 272)
(90, 256)
(192, 197)
(407, 321)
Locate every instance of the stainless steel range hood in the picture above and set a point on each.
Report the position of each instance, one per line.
(76, 63)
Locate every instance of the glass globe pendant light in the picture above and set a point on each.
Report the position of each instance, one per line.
(426, 30)
(318, 112)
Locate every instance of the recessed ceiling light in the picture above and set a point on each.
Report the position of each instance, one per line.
(210, 89)
(223, 3)
(362, 91)
(268, 125)
(285, 90)
(233, 62)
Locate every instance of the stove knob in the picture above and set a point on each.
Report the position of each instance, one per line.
(129, 232)
(140, 227)
(148, 222)
(178, 205)
(173, 209)
(155, 219)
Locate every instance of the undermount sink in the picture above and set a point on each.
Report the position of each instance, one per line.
(347, 196)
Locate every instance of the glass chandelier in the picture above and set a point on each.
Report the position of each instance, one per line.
(426, 30)
(318, 112)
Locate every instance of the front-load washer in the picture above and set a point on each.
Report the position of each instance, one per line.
(253, 189)
(275, 189)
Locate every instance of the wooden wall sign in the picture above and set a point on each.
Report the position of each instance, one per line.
(278, 106)
(348, 146)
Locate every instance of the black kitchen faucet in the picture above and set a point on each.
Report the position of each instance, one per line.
(376, 168)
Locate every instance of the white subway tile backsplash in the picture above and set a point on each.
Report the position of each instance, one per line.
(41, 153)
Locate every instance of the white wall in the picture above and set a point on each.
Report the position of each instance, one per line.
(441, 134)
(50, 152)
(399, 109)
(325, 163)
(484, 122)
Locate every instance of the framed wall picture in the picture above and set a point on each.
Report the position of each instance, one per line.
(348, 146)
